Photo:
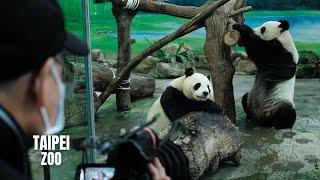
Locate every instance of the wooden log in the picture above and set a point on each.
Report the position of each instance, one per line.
(123, 18)
(231, 37)
(207, 140)
(219, 58)
(142, 85)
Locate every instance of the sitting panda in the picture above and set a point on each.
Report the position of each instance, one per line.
(191, 92)
(272, 49)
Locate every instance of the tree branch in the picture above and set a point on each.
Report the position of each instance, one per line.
(169, 9)
(187, 27)
(234, 13)
(162, 8)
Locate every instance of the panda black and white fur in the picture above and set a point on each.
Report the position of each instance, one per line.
(272, 49)
(189, 93)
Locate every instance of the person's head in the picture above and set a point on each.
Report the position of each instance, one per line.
(32, 38)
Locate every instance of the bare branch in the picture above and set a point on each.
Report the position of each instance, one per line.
(191, 29)
(161, 8)
(169, 9)
(239, 11)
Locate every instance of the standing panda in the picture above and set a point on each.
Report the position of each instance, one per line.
(191, 92)
(271, 48)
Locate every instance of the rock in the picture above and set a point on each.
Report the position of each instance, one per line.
(76, 109)
(97, 55)
(101, 74)
(172, 48)
(142, 85)
(187, 47)
(244, 66)
(72, 58)
(147, 65)
(112, 63)
(76, 102)
(215, 140)
(202, 62)
(169, 70)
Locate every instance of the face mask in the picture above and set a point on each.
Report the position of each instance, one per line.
(55, 126)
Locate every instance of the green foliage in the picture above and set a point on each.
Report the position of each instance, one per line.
(308, 65)
(186, 55)
(160, 53)
(307, 57)
(182, 54)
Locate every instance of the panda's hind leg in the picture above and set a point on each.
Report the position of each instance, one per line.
(245, 106)
(285, 117)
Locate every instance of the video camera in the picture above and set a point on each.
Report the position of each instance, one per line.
(127, 155)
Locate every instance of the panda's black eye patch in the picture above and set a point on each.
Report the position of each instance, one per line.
(197, 86)
(209, 89)
(263, 29)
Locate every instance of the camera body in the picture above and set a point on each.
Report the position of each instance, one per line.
(131, 157)
(128, 156)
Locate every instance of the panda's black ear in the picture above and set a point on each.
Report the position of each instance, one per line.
(208, 77)
(189, 72)
(284, 24)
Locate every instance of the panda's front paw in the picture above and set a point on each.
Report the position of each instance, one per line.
(242, 29)
(236, 27)
(215, 108)
(245, 33)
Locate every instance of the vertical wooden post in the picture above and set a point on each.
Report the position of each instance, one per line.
(123, 18)
(219, 58)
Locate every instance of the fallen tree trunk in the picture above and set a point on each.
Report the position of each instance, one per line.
(207, 140)
(142, 85)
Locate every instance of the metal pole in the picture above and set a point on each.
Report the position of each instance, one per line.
(89, 84)
(46, 170)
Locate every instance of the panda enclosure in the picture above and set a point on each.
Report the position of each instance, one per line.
(217, 18)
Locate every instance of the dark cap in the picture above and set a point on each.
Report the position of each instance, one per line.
(32, 31)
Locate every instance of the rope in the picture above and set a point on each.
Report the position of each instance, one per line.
(113, 73)
(132, 4)
(125, 82)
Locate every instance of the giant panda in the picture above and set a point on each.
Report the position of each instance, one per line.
(272, 49)
(191, 92)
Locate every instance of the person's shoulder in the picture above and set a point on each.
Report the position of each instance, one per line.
(8, 172)
(6, 131)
